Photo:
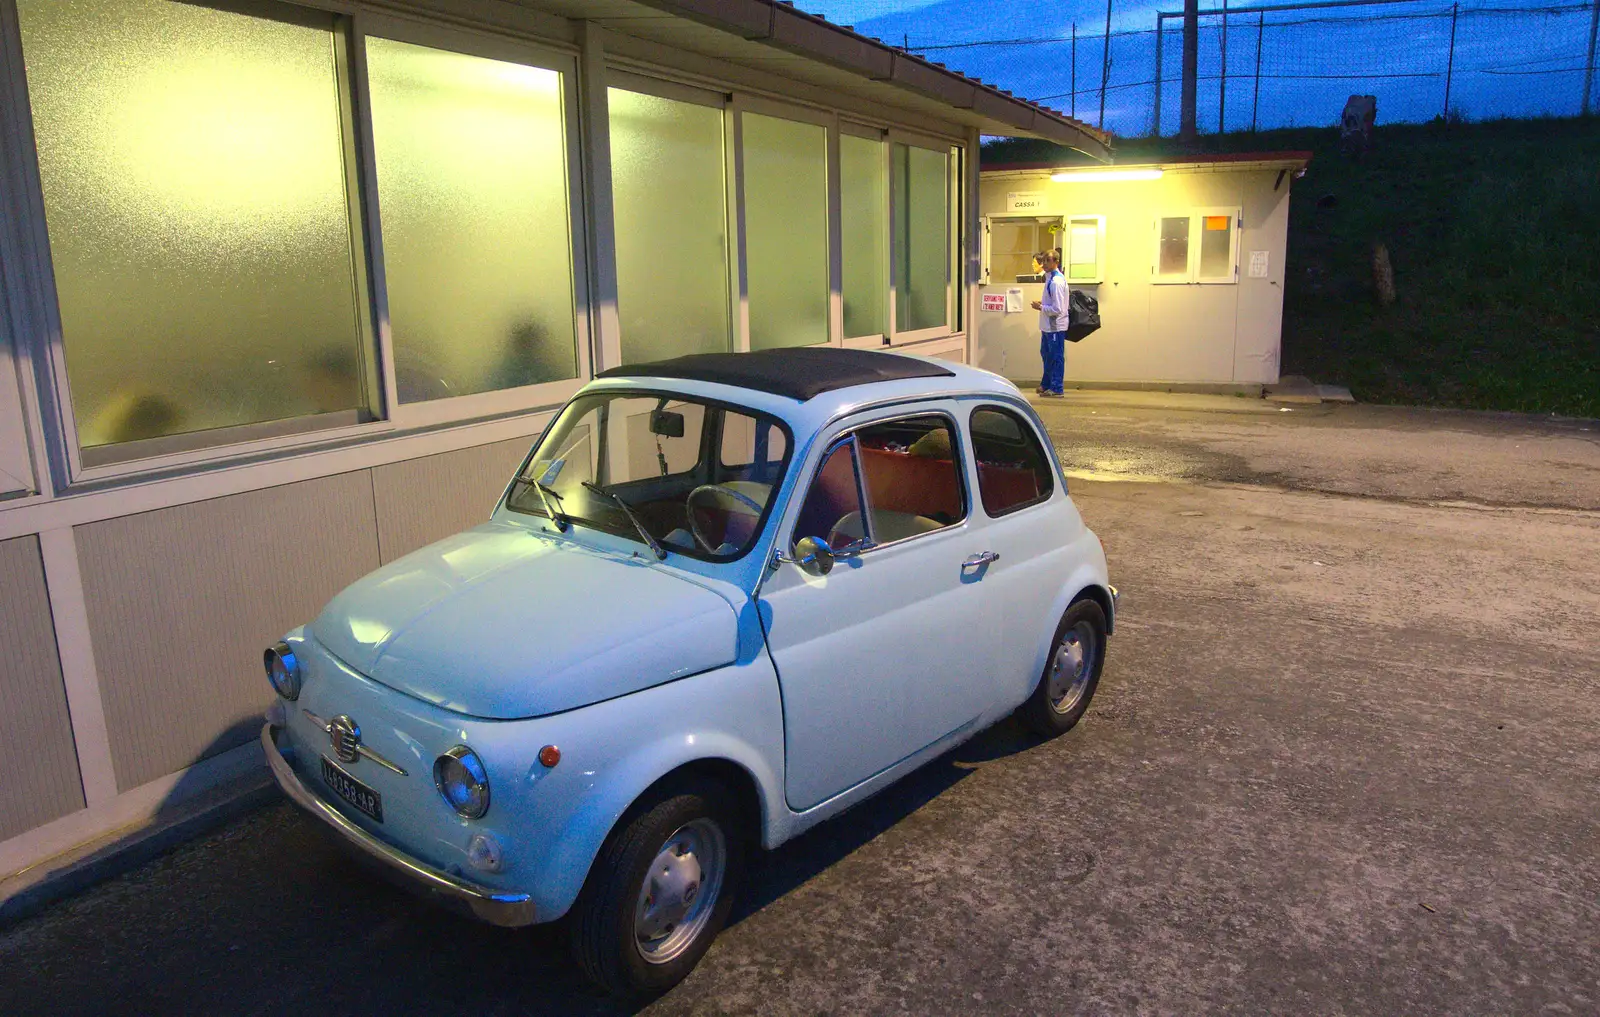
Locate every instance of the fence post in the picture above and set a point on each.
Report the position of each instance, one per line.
(1160, 23)
(1074, 70)
(1255, 106)
(1450, 67)
(1588, 70)
(1105, 66)
(1222, 82)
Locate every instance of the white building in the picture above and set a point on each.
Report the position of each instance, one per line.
(1185, 257)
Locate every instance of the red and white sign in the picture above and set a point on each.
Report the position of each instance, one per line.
(994, 301)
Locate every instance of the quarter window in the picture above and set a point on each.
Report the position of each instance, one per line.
(832, 509)
(1013, 471)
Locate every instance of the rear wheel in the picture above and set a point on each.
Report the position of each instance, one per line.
(1071, 672)
(660, 890)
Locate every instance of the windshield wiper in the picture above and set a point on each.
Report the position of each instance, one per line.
(655, 545)
(545, 494)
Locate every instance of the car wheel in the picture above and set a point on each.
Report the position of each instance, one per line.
(1071, 672)
(660, 890)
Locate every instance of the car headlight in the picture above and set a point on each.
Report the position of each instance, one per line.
(461, 779)
(283, 670)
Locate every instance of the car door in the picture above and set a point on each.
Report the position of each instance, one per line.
(1030, 524)
(886, 654)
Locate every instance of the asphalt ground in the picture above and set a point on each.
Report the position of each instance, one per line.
(1343, 760)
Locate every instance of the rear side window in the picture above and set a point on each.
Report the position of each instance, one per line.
(1013, 471)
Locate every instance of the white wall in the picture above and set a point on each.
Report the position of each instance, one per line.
(1226, 333)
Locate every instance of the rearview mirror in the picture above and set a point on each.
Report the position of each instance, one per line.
(666, 423)
(814, 555)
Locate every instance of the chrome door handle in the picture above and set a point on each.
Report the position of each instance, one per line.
(976, 560)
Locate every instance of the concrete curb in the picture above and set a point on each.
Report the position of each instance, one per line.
(71, 872)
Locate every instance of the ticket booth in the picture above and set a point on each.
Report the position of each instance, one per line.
(1186, 259)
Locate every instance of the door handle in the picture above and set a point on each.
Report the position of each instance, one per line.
(976, 560)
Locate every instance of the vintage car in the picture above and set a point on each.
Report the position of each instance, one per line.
(724, 598)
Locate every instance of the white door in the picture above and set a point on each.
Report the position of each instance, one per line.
(886, 654)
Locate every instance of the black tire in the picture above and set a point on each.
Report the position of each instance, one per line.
(1049, 712)
(603, 933)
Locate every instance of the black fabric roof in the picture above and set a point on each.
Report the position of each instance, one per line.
(799, 373)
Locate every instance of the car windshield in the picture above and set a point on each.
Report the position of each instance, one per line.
(697, 476)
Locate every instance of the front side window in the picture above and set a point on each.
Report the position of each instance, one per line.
(698, 476)
(472, 187)
(1013, 471)
(910, 470)
(194, 173)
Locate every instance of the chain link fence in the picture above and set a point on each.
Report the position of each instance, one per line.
(1294, 65)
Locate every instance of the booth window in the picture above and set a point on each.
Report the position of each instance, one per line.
(921, 211)
(1014, 241)
(472, 183)
(1201, 246)
(786, 231)
(864, 204)
(670, 204)
(206, 255)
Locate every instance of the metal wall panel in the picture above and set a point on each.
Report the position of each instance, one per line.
(36, 751)
(423, 500)
(182, 600)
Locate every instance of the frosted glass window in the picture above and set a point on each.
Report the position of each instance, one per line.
(193, 165)
(864, 201)
(1083, 249)
(669, 197)
(922, 238)
(786, 231)
(477, 246)
(1216, 247)
(1174, 247)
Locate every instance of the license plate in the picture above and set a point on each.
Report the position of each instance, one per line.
(366, 800)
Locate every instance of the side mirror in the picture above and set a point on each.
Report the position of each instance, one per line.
(814, 556)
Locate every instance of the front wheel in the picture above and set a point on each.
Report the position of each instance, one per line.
(1071, 672)
(660, 890)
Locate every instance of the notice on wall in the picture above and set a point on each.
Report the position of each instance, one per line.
(1025, 201)
(994, 301)
(1014, 300)
(1258, 264)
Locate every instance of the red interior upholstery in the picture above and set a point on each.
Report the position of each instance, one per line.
(1004, 486)
(918, 485)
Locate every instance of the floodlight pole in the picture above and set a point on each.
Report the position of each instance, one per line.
(1074, 70)
(1105, 66)
(1588, 70)
(1161, 24)
(1450, 66)
(1191, 60)
(1222, 82)
(1255, 107)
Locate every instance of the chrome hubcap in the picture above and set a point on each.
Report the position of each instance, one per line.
(680, 891)
(1071, 666)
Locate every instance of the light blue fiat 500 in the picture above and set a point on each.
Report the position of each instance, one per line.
(725, 597)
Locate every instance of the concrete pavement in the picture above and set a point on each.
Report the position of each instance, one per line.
(1344, 760)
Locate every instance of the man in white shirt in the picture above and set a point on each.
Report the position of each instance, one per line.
(1052, 325)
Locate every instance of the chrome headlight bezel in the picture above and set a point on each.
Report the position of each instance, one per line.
(461, 771)
(283, 670)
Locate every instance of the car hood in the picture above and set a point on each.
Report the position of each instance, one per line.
(501, 622)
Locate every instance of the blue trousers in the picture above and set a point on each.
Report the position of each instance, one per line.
(1053, 351)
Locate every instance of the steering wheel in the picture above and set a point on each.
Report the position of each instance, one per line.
(722, 490)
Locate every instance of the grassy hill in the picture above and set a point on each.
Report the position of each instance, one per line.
(1493, 230)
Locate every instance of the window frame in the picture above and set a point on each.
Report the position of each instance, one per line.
(74, 466)
(850, 433)
(1191, 275)
(944, 147)
(1042, 445)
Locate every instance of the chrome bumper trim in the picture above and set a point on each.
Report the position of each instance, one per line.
(507, 909)
(1116, 602)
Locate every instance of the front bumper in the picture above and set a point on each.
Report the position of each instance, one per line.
(507, 909)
